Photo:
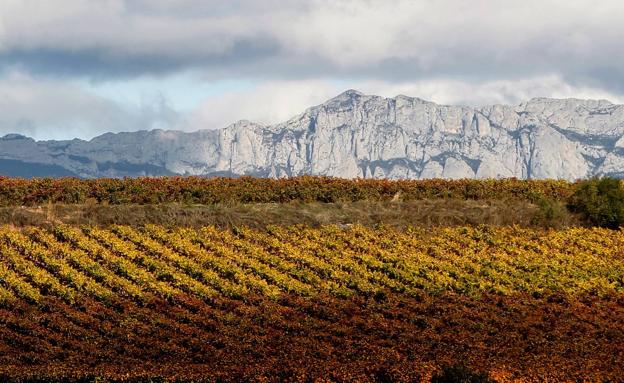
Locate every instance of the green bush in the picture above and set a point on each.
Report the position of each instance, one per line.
(550, 213)
(600, 201)
(460, 374)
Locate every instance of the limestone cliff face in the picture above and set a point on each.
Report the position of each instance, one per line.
(356, 135)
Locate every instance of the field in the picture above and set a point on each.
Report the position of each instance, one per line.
(257, 203)
(340, 296)
(298, 302)
(196, 190)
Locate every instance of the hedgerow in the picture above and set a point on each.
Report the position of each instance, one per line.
(198, 190)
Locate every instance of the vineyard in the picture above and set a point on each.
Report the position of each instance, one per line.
(296, 303)
(197, 190)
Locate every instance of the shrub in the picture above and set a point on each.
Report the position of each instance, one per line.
(460, 374)
(550, 213)
(600, 201)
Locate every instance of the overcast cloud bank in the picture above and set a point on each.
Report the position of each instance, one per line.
(292, 54)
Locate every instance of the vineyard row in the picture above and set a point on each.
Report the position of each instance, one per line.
(198, 190)
(71, 263)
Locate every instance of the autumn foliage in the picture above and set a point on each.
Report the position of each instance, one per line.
(197, 190)
(122, 304)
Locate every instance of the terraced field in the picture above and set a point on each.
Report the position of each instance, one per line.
(303, 304)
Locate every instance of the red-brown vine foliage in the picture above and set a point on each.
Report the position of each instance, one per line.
(397, 339)
(197, 190)
(302, 304)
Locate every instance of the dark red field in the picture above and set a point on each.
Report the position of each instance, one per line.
(392, 339)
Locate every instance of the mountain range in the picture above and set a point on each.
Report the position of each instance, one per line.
(356, 135)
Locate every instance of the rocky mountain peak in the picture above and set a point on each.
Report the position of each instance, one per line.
(349, 93)
(14, 136)
(357, 135)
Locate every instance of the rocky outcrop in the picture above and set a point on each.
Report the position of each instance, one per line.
(357, 135)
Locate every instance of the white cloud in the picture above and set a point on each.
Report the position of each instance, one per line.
(454, 92)
(45, 109)
(297, 53)
(266, 103)
(274, 102)
(399, 40)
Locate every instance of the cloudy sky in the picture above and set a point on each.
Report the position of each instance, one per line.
(79, 68)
